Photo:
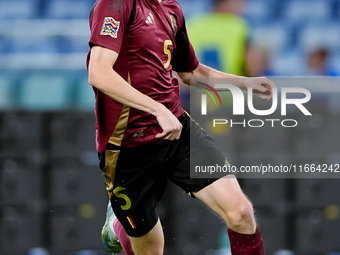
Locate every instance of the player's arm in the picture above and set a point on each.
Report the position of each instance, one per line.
(104, 78)
(260, 85)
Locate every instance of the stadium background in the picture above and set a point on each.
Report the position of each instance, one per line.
(51, 192)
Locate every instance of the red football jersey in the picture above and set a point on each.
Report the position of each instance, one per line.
(151, 40)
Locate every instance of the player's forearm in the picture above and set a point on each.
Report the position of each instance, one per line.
(203, 71)
(113, 85)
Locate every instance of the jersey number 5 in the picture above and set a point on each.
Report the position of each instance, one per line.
(125, 197)
(167, 52)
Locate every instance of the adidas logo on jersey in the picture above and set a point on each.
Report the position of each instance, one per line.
(150, 19)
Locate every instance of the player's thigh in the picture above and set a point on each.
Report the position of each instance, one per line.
(151, 243)
(226, 198)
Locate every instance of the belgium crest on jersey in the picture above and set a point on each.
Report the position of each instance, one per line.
(173, 23)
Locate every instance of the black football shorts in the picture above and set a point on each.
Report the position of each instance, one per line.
(136, 177)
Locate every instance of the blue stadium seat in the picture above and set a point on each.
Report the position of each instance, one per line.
(77, 44)
(274, 36)
(5, 44)
(6, 99)
(21, 9)
(191, 8)
(304, 11)
(288, 63)
(34, 44)
(68, 9)
(45, 92)
(324, 34)
(334, 62)
(71, 44)
(85, 95)
(258, 10)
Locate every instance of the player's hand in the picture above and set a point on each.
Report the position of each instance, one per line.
(262, 86)
(171, 127)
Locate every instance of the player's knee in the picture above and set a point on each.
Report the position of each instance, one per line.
(149, 250)
(242, 217)
(150, 247)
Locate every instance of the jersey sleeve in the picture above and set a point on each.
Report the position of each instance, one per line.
(184, 57)
(108, 22)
